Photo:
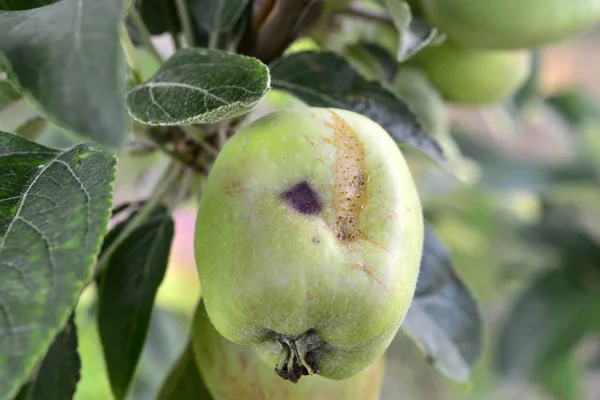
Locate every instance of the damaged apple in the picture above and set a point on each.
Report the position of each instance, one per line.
(308, 241)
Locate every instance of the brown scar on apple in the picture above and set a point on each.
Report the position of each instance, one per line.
(369, 272)
(234, 187)
(312, 143)
(350, 188)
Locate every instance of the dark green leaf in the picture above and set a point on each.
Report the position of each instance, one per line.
(324, 79)
(160, 16)
(24, 4)
(443, 317)
(216, 15)
(8, 94)
(545, 323)
(228, 39)
(58, 373)
(362, 61)
(200, 86)
(67, 58)
(54, 209)
(23, 392)
(562, 379)
(387, 65)
(413, 31)
(184, 381)
(126, 292)
(576, 106)
(372, 61)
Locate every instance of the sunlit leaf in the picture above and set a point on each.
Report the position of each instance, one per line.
(200, 86)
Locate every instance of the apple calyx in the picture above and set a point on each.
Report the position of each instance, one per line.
(298, 356)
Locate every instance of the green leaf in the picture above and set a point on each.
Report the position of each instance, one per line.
(576, 106)
(200, 86)
(562, 379)
(443, 317)
(385, 61)
(545, 323)
(372, 61)
(184, 381)
(216, 15)
(324, 79)
(414, 32)
(54, 210)
(159, 16)
(229, 31)
(8, 94)
(24, 4)
(412, 86)
(126, 292)
(67, 59)
(23, 392)
(59, 371)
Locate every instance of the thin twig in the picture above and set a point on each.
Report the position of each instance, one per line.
(186, 181)
(176, 40)
(130, 54)
(213, 39)
(145, 35)
(160, 191)
(366, 14)
(195, 133)
(186, 23)
(222, 133)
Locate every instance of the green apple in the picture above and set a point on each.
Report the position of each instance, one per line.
(234, 372)
(510, 24)
(473, 76)
(308, 241)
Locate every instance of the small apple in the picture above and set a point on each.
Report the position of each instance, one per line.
(234, 372)
(474, 76)
(308, 241)
(511, 24)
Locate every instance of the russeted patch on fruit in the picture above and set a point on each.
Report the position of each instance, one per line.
(308, 241)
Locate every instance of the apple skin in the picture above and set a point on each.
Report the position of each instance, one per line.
(474, 76)
(308, 241)
(511, 24)
(233, 372)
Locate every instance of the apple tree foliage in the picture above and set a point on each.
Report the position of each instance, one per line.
(76, 67)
